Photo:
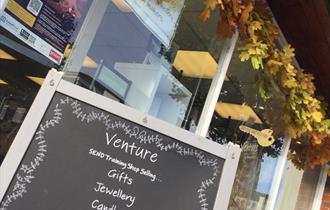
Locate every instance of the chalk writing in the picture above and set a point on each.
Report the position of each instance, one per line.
(134, 137)
(118, 193)
(124, 165)
(96, 204)
(120, 176)
(131, 148)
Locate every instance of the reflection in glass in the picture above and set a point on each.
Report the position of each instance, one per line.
(129, 64)
(20, 80)
(239, 118)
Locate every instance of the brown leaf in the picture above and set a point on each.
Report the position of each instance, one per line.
(224, 29)
(237, 8)
(245, 17)
(222, 6)
(231, 20)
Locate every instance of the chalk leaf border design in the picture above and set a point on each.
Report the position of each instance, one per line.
(25, 174)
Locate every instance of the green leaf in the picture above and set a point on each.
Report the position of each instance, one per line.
(256, 62)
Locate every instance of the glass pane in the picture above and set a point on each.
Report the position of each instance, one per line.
(298, 188)
(129, 64)
(20, 80)
(326, 196)
(33, 39)
(307, 189)
(239, 118)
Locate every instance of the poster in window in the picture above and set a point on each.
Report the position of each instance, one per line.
(160, 18)
(45, 25)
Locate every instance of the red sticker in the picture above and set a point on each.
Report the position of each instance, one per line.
(53, 54)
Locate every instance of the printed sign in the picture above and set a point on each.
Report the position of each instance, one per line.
(45, 25)
(89, 152)
(159, 18)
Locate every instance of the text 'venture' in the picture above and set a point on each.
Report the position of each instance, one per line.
(131, 148)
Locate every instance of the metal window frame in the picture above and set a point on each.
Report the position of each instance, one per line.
(85, 36)
(216, 85)
(317, 202)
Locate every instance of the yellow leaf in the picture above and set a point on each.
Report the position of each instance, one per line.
(309, 127)
(205, 15)
(272, 62)
(244, 56)
(252, 51)
(290, 83)
(211, 4)
(317, 116)
(288, 53)
(255, 25)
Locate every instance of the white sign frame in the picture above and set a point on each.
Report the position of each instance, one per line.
(54, 83)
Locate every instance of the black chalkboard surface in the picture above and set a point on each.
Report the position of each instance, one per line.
(82, 157)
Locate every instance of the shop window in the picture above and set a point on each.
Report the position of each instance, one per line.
(265, 178)
(122, 57)
(34, 36)
(239, 118)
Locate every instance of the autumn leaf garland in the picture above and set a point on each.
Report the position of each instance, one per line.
(303, 114)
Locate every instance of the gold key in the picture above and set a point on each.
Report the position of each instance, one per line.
(264, 137)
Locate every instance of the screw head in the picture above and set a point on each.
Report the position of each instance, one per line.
(52, 83)
(145, 120)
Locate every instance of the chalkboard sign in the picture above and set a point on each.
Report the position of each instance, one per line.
(84, 155)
